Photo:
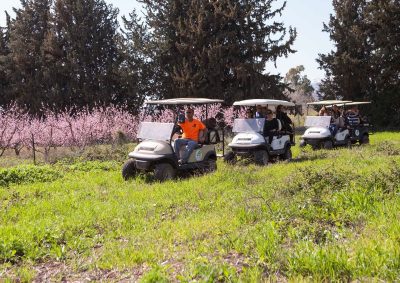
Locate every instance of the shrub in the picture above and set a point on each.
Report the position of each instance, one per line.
(27, 174)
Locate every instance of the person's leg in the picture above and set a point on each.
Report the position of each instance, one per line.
(188, 150)
(177, 146)
(290, 130)
(270, 137)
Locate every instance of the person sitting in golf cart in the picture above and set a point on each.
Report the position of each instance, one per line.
(271, 126)
(336, 112)
(285, 120)
(353, 116)
(194, 131)
(323, 111)
(249, 114)
(259, 112)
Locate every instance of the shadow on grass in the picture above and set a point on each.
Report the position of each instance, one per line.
(148, 178)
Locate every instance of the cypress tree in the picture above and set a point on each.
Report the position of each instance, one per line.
(85, 32)
(346, 68)
(366, 62)
(4, 63)
(25, 60)
(217, 48)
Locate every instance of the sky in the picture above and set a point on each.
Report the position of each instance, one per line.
(307, 16)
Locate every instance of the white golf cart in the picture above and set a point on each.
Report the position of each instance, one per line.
(250, 142)
(155, 154)
(325, 131)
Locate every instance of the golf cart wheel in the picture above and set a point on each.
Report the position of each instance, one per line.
(364, 139)
(288, 154)
(210, 165)
(315, 146)
(349, 144)
(261, 157)
(164, 171)
(129, 170)
(230, 157)
(328, 144)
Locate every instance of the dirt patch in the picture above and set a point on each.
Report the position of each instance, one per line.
(60, 272)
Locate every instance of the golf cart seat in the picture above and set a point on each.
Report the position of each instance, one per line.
(279, 125)
(212, 136)
(281, 129)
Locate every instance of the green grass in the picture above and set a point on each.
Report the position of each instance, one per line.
(328, 215)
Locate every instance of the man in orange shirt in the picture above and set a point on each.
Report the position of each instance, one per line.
(194, 131)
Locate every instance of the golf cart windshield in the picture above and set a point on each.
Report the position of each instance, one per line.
(317, 121)
(155, 131)
(248, 125)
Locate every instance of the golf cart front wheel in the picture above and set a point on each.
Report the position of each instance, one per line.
(164, 171)
(129, 169)
(261, 157)
(328, 144)
(230, 157)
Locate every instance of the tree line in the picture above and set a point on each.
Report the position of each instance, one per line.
(365, 64)
(68, 55)
(63, 54)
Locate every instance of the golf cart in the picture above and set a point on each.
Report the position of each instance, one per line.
(325, 131)
(249, 140)
(155, 154)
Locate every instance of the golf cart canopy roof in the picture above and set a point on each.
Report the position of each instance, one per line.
(184, 101)
(255, 102)
(355, 103)
(329, 102)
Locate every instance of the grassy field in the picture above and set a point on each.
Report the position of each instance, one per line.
(327, 215)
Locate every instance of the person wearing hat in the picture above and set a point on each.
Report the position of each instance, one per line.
(194, 131)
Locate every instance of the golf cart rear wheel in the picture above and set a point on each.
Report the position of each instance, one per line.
(288, 154)
(349, 144)
(328, 144)
(210, 165)
(230, 157)
(129, 169)
(261, 157)
(164, 171)
(364, 139)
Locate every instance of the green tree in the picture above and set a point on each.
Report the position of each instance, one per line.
(25, 62)
(4, 52)
(300, 86)
(135, 69)
(383, 23)
(347, 67)
(84, 32)
(366, 62)
(217, 48)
